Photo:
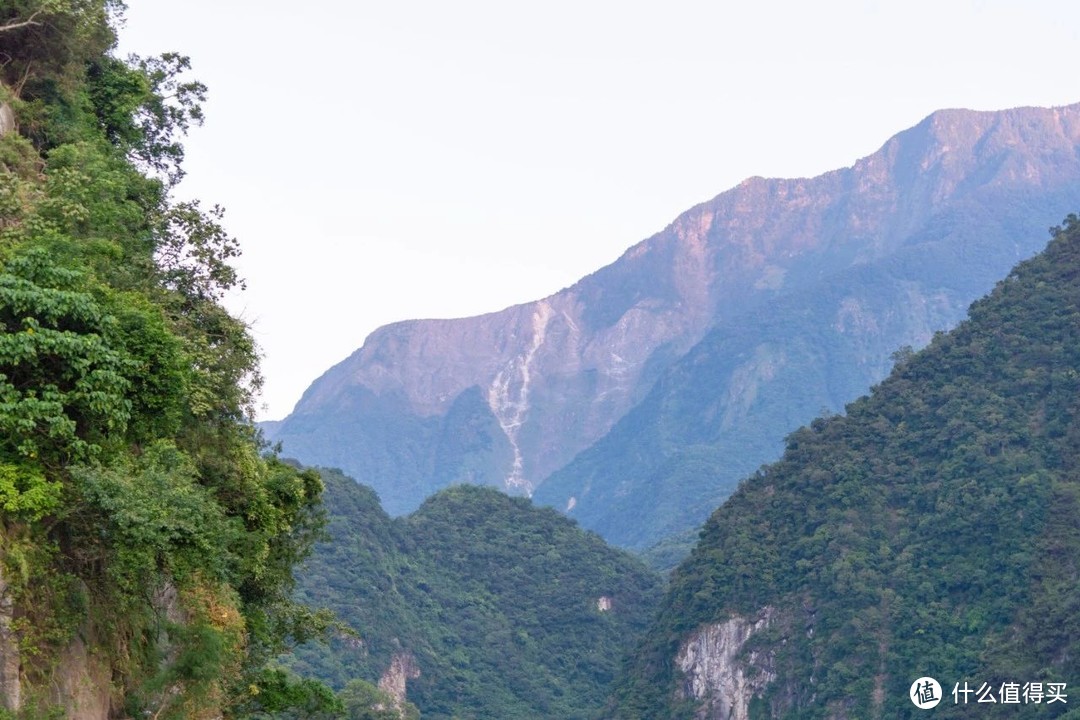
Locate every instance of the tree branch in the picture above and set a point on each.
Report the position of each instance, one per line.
(22, 81)
(16, 25)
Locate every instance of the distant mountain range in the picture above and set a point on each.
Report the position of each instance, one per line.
(635, 399)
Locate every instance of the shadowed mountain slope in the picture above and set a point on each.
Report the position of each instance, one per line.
(955, 202)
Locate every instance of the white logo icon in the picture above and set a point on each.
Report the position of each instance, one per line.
(925, 693)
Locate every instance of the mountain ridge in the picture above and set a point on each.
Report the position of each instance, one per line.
(711, 420)
(557, 374)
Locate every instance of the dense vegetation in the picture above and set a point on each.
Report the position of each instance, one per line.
(145, 539)
(496, 601)
(931, 530)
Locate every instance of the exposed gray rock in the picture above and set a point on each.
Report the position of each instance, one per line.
(7, 119)
(82, 682)
(718, 673)
(394, 682)
(10, 683)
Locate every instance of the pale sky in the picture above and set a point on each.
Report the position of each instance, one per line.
(382, 161)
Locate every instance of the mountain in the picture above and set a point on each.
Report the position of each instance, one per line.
(906, 239)
(476, 605)
(931, 531)
(682, 365)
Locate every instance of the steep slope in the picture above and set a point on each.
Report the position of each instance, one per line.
(478, 605)
(928, 224)
(934, 212)
(931, 531)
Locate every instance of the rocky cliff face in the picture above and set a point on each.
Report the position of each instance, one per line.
(394, 682)
(10, 685)
(717, 674)
(545, 380)
(79, 682)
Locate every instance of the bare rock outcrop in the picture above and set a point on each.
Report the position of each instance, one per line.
(10, 686)
(394, 682)
(719, 673)
(7, 119)
(82, 682)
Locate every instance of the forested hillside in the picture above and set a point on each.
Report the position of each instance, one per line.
(931, 530)
(146, 543)
(494, 609)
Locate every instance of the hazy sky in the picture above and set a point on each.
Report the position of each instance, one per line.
(381, 161)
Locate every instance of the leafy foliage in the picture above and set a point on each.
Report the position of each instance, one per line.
(928, 531)
(277, 693)
(137, 509)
